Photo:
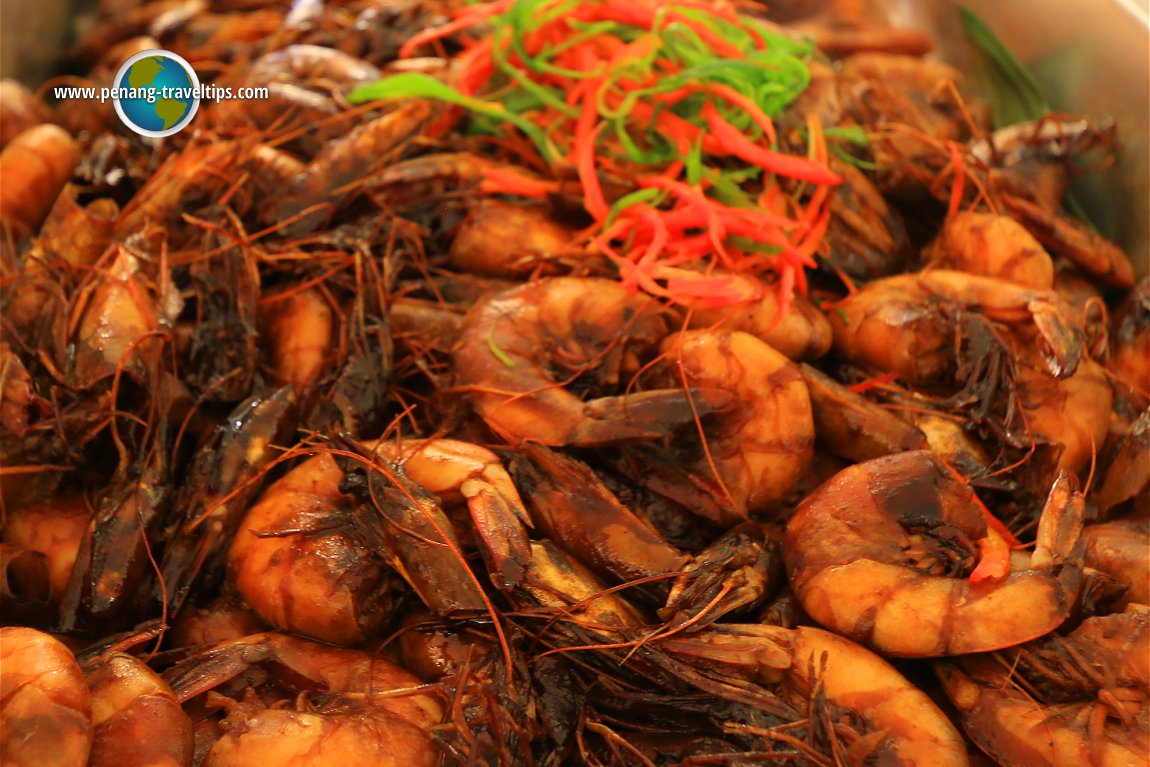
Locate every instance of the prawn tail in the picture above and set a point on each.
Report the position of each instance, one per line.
(1062, 343)
(198, 674)
(500, 524)
(646, 415)
(1059, 542)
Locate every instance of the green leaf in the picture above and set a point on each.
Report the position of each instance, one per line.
(633, 198)
(1011, 91)
(495, 350)
(852, 134)
(418, 85)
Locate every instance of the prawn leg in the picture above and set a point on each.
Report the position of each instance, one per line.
(1006, 302)
(735, 573)
(1074, 699)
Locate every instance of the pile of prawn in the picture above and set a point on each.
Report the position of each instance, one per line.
(316, 448)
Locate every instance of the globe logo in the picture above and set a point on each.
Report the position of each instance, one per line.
(156, 93)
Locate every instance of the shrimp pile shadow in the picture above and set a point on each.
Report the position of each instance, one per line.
(319, 443)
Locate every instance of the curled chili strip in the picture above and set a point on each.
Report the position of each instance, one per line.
(676, 98)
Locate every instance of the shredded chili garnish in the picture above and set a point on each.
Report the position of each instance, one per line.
(676, 99)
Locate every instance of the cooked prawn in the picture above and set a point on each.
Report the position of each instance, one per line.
(1071, 414)
(136, 719)
(35, 165)
(340, 165)
(45, 707)
(519, 350)
(198, 171)
(451, 470)
(907, 324)
(296, 329)
(1118, 548)
(498, 239)
(884, 553)
(303, 82)
(755, 452)
(54, 528)
(995, 246)
(300, 562)
(1079, 699)
(900, 725)
(117, 313)
(801, 331)
(573, 508)
(365, 709)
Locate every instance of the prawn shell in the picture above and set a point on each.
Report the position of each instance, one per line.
(861, 681)
(35, 166)
(761, 449)
(1075, 699)
(315, 582)
(291, 737)
(894, 325)
(45, 707)
(136, 717)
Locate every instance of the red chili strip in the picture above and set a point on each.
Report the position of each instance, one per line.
(747, 104)
(507, 181)
(742, 147)
(870, 383)
(593, 200)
